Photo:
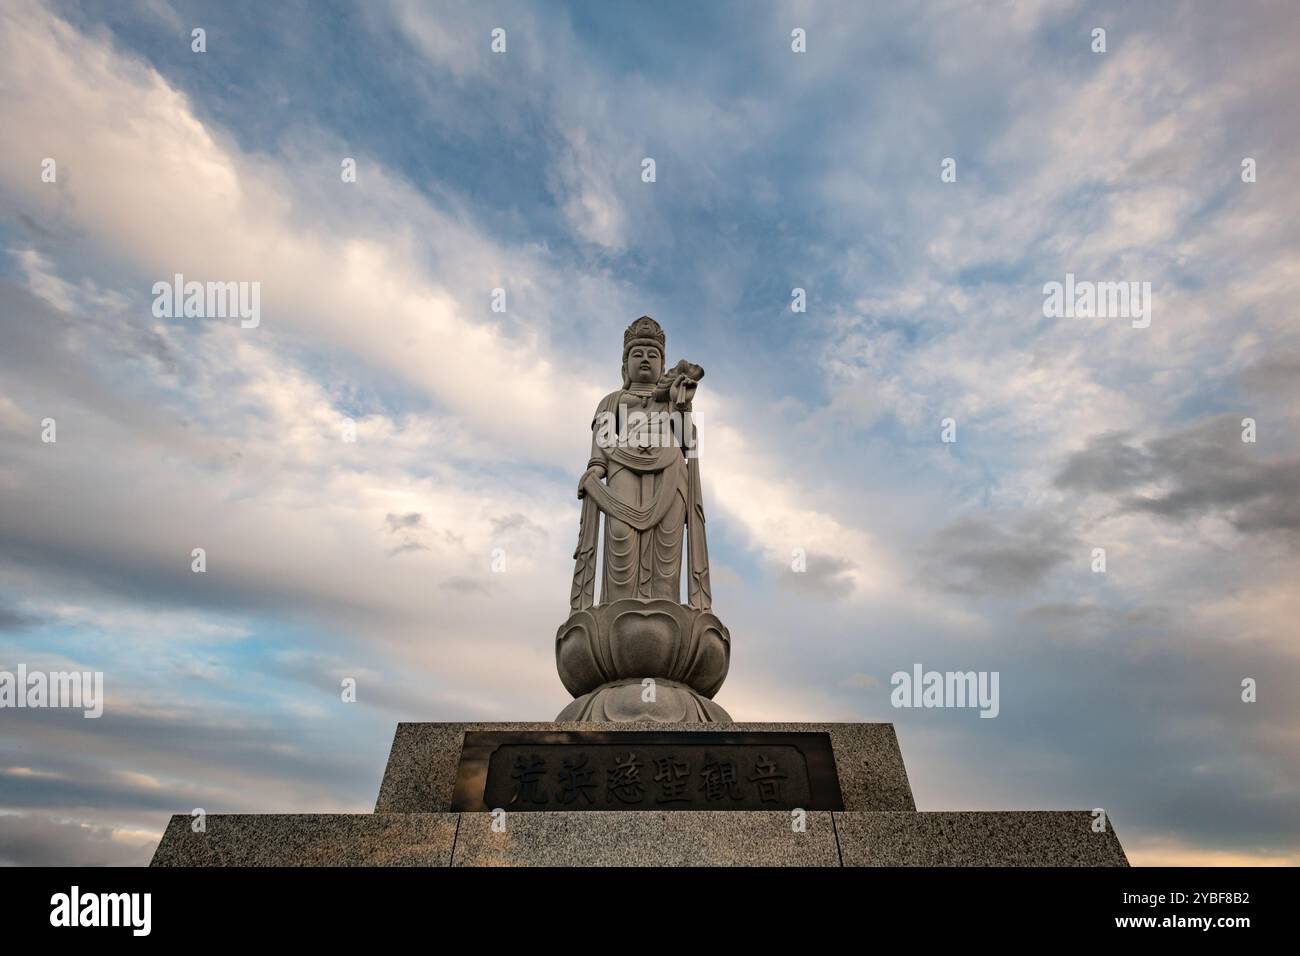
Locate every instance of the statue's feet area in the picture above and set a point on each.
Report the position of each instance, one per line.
(663, 701)
(638, 659)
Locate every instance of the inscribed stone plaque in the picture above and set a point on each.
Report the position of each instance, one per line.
(645, 770)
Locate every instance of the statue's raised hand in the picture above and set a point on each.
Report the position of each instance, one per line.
(678, 384)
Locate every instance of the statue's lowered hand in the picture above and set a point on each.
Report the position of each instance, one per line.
(678, 384)
(595, 471)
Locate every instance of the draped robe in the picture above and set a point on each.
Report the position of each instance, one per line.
(650, 499)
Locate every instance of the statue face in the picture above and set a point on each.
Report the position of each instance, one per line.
(645, 364)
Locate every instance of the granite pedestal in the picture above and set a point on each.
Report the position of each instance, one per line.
(430, 811)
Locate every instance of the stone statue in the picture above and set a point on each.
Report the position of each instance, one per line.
(640, 654)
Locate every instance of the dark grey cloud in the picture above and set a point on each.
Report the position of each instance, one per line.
(407, 547)
(88, 567)
(1276, 375)
(407, 527)
(91, 788)
(12, 619)
(50, 350)
(1109, 464)
(1090, 620)
(825, 575)
(36, 227)
(996, 554)
(393, 693)
(1205, 469)
(397, 523)
(412, 530)
(201, 746)
(516, 522)
(1063, 611)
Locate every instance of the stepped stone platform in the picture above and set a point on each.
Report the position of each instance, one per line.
(422, 764)
(839, 792)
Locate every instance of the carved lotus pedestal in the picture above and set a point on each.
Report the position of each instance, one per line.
(643, 660)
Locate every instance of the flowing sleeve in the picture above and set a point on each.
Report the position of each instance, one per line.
(603, 423)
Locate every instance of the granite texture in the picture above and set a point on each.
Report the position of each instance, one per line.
(310, 839)
(976, 838)
(421, 772)
(647, 838)
(644, 838)
(412, 825)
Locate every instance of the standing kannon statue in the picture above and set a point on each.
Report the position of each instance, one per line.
(641, 654)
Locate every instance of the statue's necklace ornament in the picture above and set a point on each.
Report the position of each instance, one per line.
(641, 654)
(643, 394)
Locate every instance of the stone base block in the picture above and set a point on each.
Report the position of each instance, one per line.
(414, 825)
(644, 838)
(977, 838)
(421, 772)
(647, 838)
(309, 839)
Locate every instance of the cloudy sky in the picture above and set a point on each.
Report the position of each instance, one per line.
(821, 430)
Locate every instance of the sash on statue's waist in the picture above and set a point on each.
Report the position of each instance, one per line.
(672, 483)
(643, 460)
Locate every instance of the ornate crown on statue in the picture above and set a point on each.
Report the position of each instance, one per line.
(644, 330)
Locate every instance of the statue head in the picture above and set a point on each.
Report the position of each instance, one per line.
(643, 352)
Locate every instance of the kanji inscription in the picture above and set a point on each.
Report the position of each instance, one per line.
(651, 770)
